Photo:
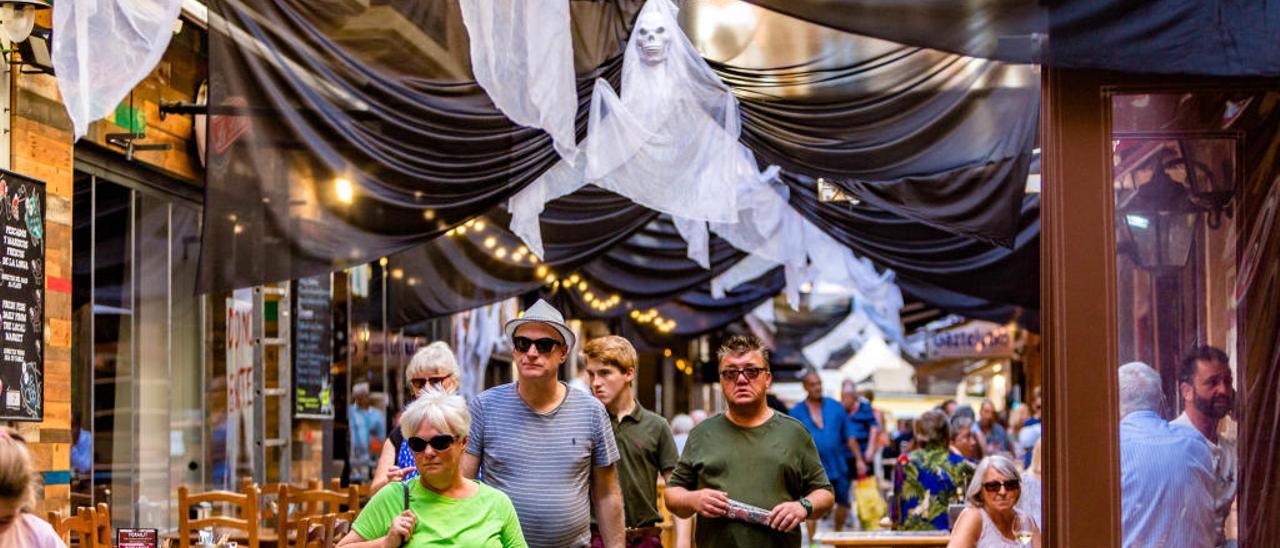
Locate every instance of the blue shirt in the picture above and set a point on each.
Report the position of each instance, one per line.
(832, 439)
(863, 419)
(1165, 476)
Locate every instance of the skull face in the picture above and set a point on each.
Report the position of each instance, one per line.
(654, 34)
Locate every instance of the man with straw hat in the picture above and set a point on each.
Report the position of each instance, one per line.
(550, 449)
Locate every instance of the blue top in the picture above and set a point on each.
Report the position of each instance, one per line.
(1166, 475)
(832, 439)
(862, 419)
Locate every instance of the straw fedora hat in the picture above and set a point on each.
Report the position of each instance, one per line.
(543, 312)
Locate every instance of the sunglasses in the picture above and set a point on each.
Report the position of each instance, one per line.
(544, 345)
(752, 373)
(1009, 485)
(419, 384)
(439, 442)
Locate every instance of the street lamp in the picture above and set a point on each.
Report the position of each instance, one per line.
(18, 17)
(1160, 222)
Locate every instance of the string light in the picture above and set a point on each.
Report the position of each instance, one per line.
(500, 252)
(490, 242)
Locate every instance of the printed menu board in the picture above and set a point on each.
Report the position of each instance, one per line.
(22, 211)
(313, 348)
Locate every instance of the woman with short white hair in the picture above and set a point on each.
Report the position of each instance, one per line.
(452, 510)
(991, 519)
(432, 366)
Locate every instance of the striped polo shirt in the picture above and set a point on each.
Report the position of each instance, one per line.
(543, 461)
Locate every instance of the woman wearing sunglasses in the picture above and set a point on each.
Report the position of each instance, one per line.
(992, 519)
(443, 507)
(432, 367)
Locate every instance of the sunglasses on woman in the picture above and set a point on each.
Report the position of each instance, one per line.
(544, 345)
(439, 442)
(419, 384)
(1009, 485)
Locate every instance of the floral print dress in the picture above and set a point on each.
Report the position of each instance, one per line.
(925, 483)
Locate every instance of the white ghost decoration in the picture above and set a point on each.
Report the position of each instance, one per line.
(670, 142)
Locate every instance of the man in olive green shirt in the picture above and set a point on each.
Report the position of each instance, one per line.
(645, 443)
(750, 454)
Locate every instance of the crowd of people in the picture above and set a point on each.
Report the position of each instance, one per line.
(536, 463)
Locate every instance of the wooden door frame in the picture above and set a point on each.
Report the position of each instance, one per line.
(1078, 296)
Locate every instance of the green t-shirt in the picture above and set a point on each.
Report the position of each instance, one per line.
(486, 518)
(646, 447)
(762, 466)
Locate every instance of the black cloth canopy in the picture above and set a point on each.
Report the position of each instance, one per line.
(940, 138)
(925, 255)
(460, 272)
(1195, 37)
(341, 136)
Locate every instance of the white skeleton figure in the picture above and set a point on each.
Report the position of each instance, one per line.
(670, 142)
(654, 37)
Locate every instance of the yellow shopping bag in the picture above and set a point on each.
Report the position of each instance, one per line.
(871, 506)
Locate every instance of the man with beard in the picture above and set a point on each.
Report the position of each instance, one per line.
(644, 439)
(750, 454)
(1204, 379)
(548, 448)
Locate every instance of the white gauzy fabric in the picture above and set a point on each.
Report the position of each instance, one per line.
(103, 48)
(522, 56)
(670, 142)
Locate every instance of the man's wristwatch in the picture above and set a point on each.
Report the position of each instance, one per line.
(808, 506)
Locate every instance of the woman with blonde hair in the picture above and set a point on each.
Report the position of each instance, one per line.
(439, 507)
(431, 367)
(992, 519)
(18, 526)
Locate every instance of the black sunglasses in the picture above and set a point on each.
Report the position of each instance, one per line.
(545, 344)
(1009, 485)
(419, 384)
(752, 373)
(439, 442)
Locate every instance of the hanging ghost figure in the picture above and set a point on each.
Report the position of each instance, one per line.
(669, 142)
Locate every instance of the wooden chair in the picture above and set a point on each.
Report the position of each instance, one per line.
(296, 505)
(93, 525)
(246, 505)
(323, 531)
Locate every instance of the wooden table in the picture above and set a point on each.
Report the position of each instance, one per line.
(884, 539)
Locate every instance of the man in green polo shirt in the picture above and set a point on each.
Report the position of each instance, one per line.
(645, 442)
(752, 455)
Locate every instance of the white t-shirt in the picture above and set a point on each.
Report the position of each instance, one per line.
(31, 532)
(1224, 471)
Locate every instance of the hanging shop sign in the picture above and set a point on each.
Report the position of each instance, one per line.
(975, 339)
(22, 211)
(313, 348)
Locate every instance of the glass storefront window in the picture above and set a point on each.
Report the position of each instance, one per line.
(1176, 163)
(136, 371)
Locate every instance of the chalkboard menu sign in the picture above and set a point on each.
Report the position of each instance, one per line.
(22, 202)
(313, 348)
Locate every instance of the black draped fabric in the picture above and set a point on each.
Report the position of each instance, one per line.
(940, 138)
(1216, 38)
(338, 136)
(993, 29)
(925, 255)
(696, 312)
(462, 271)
